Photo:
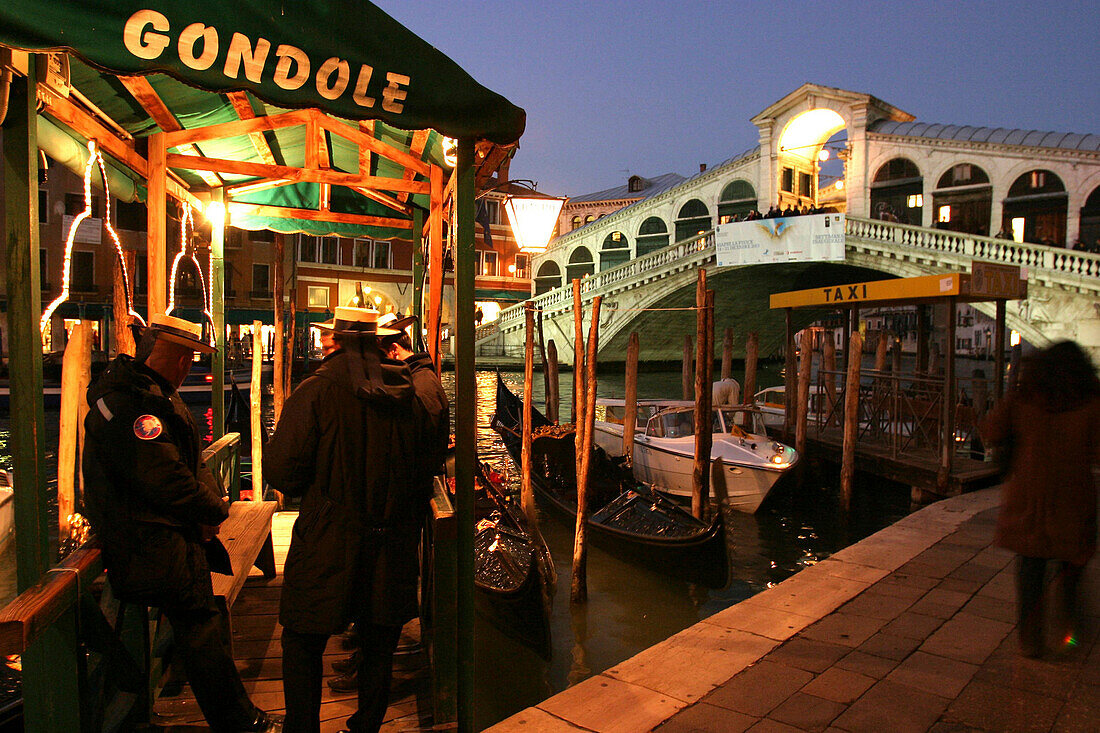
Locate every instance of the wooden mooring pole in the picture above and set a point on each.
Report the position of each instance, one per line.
(880, 351)
(76, 371)
(790, 389)
(828, 359)
(578, 355)
(255, 398)
(579, 587)
(727, 354)
(752, 352)
(805, 361)
(851, 420)
(630, 410)
(120, 317)
(527, 496)
(553, 401)
(704, 357)
(279, 361)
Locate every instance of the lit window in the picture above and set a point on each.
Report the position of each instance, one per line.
(522, 268)
(944, 215)
(1018, 229)
(1038, 179)
(318, 297)
(916, 200)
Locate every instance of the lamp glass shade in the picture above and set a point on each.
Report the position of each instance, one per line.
(532, 220)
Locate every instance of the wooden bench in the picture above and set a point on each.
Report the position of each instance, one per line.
(246, 535)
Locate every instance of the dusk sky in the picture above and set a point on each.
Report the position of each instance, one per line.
(650, 86)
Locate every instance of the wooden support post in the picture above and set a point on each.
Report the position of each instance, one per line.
(527, 496)
(752, 353)
(255, 400)
(217, 313)
(700, 472)
(435, 266)
(922, 339)
(686, 381)
(947, 456)
(579, 587)
(157, 232)
(418, 275)
(851, 421)
(805, 361)
(578, 357)
(828, 358)
(999, 352)
(553, 401)
(880, 351)
(76, 369)
(122, 336)
(790, 390)
(279, 367)
(727, 354)
(465, 421)
(630, 410)
(545, 367)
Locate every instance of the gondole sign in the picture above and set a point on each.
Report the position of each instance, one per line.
(346, 57)
(817, 237)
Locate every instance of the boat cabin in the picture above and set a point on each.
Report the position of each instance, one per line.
(676, 418)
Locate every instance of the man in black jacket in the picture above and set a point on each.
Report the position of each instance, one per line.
(156, 509)
(349, 443)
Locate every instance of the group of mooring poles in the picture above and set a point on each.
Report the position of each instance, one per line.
(697, 384)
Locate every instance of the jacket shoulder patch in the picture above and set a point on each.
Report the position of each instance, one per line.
(148, 427)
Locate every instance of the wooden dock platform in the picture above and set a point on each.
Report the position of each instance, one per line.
(258, 652)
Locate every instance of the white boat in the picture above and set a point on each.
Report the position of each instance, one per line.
(664, 448)
(772, 403)
(7, 508)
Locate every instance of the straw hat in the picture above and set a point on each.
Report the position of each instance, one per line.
(324, 325)
(180, 331)
(392, 322)
(359, 322)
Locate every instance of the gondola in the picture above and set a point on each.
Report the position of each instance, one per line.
(514, 575)
(626, 517)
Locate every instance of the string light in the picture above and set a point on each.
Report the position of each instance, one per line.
(187, 251)
(94, 158)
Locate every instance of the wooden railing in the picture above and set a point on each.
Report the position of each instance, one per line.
(100, 671)
(1071, 268)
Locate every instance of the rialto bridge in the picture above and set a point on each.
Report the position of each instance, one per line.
(651, 294)
(919, 199)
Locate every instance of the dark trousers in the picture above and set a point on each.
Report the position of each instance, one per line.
(303, 668)
(1030, 574)
(200, 638)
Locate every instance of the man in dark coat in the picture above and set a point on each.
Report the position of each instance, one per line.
(156, 508)
(349, 444)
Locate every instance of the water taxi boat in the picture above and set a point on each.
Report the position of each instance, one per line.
(664, 448)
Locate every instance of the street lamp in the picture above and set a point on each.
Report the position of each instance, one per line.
(531, 214)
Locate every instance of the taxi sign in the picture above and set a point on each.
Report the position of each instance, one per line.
(909, 288)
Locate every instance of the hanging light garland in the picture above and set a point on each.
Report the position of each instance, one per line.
(94, 158)
(186, 250)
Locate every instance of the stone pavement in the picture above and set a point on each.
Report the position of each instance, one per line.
(911, 629)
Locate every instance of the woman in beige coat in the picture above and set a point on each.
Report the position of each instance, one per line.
(1050, 428)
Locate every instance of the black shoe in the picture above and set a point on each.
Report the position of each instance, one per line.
(346, 683)
(264, 723)
(346, 666)
(349, 639)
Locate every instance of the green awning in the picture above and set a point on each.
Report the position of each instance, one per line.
(346, 57)
(511, 296)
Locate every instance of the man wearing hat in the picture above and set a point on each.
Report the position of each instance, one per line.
(156, 509)
(350, 443)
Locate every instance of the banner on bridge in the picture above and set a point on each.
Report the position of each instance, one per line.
(814, 237)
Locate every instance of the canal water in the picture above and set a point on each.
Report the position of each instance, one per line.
(630, 608)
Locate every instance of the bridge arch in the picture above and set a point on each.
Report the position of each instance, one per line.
(692, 218)
(738, 197)
(580, 264)
(963, 199)
(897, 190)
(1036, 208)
(801, 138)
(548, 277)
(1090, 219)
(614, 251)
(652, 235)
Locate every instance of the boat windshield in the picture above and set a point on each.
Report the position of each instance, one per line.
(675, 424)
(736, 421)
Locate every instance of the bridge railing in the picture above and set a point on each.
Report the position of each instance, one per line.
(698, 247)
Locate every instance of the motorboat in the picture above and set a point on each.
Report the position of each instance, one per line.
(772, 403)
(664, 448)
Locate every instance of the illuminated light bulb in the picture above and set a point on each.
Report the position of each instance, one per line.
(378, 300)
(449, 147)
(823, 154)
(94, 158)
(215, 213)
(839, 185)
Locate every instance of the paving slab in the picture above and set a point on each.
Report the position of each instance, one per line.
(839, 685)
(996, 708)
(930, 673)
(707, 718)
(889, 706)
(606, 704)
(807, 712)
(760, 688)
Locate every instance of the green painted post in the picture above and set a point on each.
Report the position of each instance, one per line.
(50, 677)
(217, 296)
(418, 268)
(465, 426)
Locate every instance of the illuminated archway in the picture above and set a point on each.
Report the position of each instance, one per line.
(802, 151)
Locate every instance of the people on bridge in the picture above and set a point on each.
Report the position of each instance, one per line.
(156, 507)
(1049, 426)
(358, 442)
